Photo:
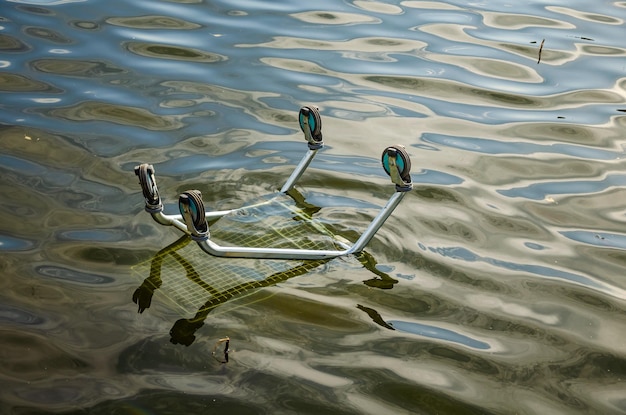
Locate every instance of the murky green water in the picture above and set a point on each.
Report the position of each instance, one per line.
(497, 286)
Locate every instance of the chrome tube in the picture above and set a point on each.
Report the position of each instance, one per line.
(300, 168)
(214, 249)
(377, 222)
(165, 219)
(169, 220)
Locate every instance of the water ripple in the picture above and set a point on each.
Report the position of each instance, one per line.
(8, 243)
(546, 189)
(153, 22)
(501, 271)
(11, 44)
(460, 253)
(334, 18)
(18, 83)
(118, 114)
(61, 273)
(164, 51)
(74, 67)
(440, 333)
(18, 316)
(490, 146)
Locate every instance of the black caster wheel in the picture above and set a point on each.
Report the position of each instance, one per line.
(191, 208)
(397, 163)
(311, 124)
(145, 172)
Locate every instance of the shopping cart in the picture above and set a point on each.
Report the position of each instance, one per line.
(194, 218)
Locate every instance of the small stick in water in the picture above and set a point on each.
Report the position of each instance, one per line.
(540, 49)
(220, 341)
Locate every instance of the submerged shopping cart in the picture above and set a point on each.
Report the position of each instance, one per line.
(194, 218)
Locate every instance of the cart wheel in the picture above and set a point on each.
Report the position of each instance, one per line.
(311, 124)
(191, 208)
(145, 172)
(403, 162)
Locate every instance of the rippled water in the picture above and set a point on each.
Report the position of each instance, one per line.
(497, 286)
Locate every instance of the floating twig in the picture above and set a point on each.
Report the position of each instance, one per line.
(220, 341)
(540, 49)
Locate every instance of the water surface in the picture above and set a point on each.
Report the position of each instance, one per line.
(496, 287)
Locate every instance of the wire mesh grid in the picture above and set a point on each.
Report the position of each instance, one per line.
(194, 281)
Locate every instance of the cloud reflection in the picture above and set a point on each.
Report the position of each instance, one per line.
(465, 254)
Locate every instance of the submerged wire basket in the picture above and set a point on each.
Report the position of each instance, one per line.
(193, 281)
